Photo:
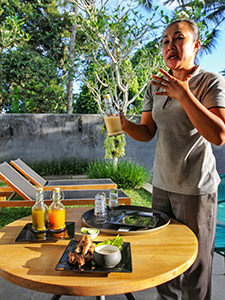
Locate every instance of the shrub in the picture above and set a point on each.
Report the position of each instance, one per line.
(60, 167)
(127, 175)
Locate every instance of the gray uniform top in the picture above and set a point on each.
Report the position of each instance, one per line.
(184, 162)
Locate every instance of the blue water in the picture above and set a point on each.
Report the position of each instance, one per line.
(221, 212)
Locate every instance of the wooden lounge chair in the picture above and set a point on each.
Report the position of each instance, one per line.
(68, 184)
(28, 191)
(220, 226)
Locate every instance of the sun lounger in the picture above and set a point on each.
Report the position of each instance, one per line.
(28, 192)
(68, 184)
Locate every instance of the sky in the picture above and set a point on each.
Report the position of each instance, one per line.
(215, 62)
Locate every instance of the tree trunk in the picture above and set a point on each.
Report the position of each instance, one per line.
(71, 59)
(115, 162)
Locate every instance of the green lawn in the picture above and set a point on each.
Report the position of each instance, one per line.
(9, 214)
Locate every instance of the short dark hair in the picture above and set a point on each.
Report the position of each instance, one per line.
(193, 25)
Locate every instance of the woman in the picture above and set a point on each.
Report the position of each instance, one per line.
(186, 107)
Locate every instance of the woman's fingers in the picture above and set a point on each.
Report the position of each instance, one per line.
(166, 74)
(161, 83)
(161, 93)
(160, 79)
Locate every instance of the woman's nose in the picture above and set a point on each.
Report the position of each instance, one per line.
(171, 45)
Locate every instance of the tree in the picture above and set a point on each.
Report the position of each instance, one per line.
(11, 34)
(37, 76)
(71, 69)
(31, 83)
(111, 38)
(83, 102)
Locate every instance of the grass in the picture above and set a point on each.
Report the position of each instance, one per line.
(139, 197)
(9, 214)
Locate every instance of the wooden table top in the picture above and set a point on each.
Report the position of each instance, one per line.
(156, 258)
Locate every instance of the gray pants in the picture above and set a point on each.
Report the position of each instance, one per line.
(199, 214)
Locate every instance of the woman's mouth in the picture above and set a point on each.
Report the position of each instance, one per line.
(172, 56)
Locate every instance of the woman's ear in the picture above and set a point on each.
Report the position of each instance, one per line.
(197, 45)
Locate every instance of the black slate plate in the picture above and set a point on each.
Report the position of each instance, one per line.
(132, 218)
(116, 226)
(125, 265)
(27, 234)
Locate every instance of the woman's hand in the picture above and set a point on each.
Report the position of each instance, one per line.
(140, 132)
(123, 121)
(210, 123)
(174, 88)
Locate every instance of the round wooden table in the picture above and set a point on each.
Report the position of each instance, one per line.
(157, 257)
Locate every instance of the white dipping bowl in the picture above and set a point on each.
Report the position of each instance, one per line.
(107, 256)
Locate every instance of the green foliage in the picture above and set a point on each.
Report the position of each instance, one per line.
(114, 146)
(34, 42)
(32, 77)
(104, 59)
(127, 175)
(31, 82)
(60, 167)
(11, 32)
(84, 102)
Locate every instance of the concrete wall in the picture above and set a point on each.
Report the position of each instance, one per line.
(37, 137)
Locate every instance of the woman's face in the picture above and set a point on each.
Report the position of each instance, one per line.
(179, 48)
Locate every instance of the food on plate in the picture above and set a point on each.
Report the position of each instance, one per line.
(140, 220)
(92, 232)
(83, 253)
(117, 241)
(82, 257)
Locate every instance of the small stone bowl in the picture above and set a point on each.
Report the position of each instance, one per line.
(107, 256)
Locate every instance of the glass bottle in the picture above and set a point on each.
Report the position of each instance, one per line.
(111, 118)
(56, 212)
(39, 212)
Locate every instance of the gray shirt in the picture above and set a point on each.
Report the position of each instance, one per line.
(184, 162)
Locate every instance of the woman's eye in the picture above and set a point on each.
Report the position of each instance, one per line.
(179, 38)
(165, 42)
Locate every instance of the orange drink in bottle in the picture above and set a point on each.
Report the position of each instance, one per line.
(56, 212)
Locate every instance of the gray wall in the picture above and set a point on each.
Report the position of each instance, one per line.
(37, 137)
(219, 153)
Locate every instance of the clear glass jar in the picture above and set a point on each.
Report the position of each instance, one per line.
(113, 199)
(111, 118)
(56, 212)
(39, 212)
(100, 210)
